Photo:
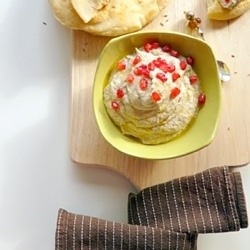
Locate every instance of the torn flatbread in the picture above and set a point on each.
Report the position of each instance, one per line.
(216, 11)
(113, 19)
(87, 9)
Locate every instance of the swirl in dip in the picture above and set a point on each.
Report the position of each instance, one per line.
(153, 94)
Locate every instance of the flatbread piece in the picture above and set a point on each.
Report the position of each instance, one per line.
(87, 9)
(115, 18)
(216, 12)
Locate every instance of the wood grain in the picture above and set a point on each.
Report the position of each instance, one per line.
(231, 145)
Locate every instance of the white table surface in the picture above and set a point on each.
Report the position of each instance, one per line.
(37, 176)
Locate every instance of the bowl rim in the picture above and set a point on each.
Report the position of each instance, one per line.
(141, 153)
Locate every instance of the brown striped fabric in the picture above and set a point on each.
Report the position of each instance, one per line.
(78, 232)
(208, 202)
(165, 216)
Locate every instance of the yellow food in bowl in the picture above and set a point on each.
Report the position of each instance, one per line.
(153, 93)
(199, 134)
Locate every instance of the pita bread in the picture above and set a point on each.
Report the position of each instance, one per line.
(217, 12)
(87, 9)
(65, 14)
(119, 17)
(116, 18)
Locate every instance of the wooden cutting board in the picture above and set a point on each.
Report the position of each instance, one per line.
(231, 146)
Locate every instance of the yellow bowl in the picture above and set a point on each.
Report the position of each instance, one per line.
(200, 133)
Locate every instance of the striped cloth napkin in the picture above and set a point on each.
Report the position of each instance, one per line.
(78, 232)
(165, 216)
(208, 202)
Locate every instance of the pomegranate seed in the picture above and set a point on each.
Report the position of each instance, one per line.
(171, 68)
(166, 48)
(190, 60)
(138, 71)
(155, 45)
(147, 47)
(175, 92)
(162, 61)
(119, 93)
(151, 66)
(121, 65)
(161, 76)
(157, 63)
(156, 96)
(143, 84)
(164, 68)
(115, 105)
(145, 72)
(201, 99)
(130, 78)
(136, 60)
(193, 79)
(143, 66)
(183, 64)
(174, 53)
(175, 76)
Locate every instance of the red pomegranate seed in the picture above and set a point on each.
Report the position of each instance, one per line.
(151, 66)
(147, 47)
(143, 84)
(175, 92)
(121, 65)
(164, 68)
(175, 76)
(162, 61)
(157, 63)
(130, 78)
(193, 79)
(143, 66)
(183, 64)
(161, 76)
(174, 53)
(119, 93)
(171, 68)
(166, 48)
(138, 71)
(115, 105)
(201, 99)
(156, 96)
(190, 60)
(146, 73)
(155, 45)
(136, 60)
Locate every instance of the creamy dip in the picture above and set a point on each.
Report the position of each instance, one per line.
(153, 94)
